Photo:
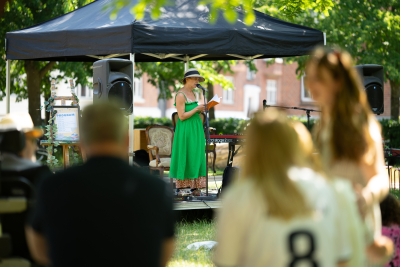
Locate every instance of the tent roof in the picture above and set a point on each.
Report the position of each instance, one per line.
(88, 34)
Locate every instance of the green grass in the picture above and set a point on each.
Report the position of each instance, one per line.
(395, 192)
(188, 233)
(218, 171)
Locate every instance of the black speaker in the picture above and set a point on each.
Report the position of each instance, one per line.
(229, 175)
(113, 79)
(372, 77)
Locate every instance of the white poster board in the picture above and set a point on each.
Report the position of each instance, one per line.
(67, 120)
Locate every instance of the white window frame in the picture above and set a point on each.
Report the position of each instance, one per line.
(272, 91)
(250, 74)
(138, 94)
(228, 94)
(304, 98)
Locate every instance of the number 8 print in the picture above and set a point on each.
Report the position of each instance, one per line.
(305, 257)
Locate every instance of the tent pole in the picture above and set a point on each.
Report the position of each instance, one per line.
(131, 117)
(324, 38)
(8, 89)
(186, 63)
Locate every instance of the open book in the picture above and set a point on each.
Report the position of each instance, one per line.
(213, 102)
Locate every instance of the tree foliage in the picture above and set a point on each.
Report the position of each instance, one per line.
(166, 75)
(228, 8)
(369, 30)
(29, 78)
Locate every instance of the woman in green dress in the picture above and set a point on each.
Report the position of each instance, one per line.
(188, 164)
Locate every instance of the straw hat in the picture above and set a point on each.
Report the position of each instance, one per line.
(21, 122)
(193, 73)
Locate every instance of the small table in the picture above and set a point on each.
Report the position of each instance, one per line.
(65, 145)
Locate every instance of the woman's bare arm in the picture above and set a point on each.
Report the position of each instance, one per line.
(180, 106)
(375, 172)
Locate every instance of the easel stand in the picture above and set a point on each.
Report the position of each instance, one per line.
(65, 144)
(207, 138)
(305, 109)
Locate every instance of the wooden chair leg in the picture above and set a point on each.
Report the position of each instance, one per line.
(161, 170)
(171, 181)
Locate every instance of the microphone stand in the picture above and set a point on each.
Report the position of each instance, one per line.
(207, 138)
(305, 109)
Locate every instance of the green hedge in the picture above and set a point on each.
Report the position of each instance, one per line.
(143, 122)
(223, 126)
(391, 131)
(390, 128)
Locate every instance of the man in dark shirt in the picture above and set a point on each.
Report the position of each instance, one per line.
(105, 212)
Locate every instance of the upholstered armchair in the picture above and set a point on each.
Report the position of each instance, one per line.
(159, 142)
(211, 148)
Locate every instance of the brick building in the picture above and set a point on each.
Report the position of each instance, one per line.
(277, 83)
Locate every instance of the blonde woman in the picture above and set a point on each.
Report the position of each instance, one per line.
(280, 213)
(349, 138)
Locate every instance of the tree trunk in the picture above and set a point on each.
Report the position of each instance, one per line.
(210, 94)
(34, 76)
(33, 80)
(47, 95)
(394, 100)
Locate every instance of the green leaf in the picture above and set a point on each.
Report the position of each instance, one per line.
(230, 15)
(249, 18)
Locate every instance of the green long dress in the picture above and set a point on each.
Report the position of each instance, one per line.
(188, 163)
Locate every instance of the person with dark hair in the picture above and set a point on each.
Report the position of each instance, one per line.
(18, 147)
(98, 214)
(390, 209)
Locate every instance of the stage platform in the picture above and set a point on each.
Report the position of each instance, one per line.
(197, 204)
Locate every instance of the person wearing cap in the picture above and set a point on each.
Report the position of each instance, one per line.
(19, 158)
(188, 164)
(18, 147)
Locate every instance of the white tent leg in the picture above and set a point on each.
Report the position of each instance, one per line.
(186, 63)
(324, 38)
(8, 89)
(131, 117)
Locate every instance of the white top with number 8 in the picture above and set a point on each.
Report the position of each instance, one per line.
(248, 236)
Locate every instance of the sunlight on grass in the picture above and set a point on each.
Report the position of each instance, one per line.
(188, 233)
(212, 185)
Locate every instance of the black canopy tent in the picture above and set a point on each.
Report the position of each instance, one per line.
(182, 33)
(88, 34)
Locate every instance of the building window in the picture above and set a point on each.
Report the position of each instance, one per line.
(227, 95)
(271, 92)
(83, 90)
(138, 90)
(250, 74)
(305, 93)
